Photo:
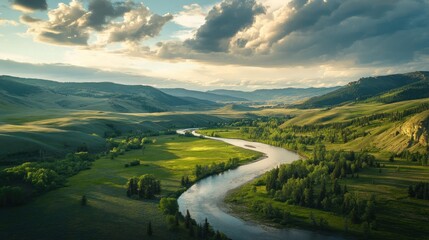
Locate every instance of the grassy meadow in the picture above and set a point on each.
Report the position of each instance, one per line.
(398, 215)
(110, 214)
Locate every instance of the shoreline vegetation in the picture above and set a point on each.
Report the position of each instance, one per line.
(168, 157)
(375, 181)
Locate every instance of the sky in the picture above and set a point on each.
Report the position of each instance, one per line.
(209, 44)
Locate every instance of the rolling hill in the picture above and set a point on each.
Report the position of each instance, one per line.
(386, 89)
(284, 95)
(181, 92)
(104, 96)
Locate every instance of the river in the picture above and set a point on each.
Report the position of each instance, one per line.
(205, 199)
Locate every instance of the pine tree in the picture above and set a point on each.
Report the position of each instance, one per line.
(83, 200)
(191, 231)
(149, 229)
(182, 181)
(322, 194)
(187, 219)
(206, 229)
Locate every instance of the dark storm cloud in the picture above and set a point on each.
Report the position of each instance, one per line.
(303, 32)
(104, 10)
(368, 31)
(30, 5)
(223, 22)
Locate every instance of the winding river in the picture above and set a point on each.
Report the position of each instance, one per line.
(205, 198)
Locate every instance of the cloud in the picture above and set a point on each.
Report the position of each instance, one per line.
(67, 25)
(70, 73)
(138, 24)
(104, 10)
(29, 5)
(193, 16)
(309, 32)
(28, 19)
(223, 22)
(4, 22)
(72, 24)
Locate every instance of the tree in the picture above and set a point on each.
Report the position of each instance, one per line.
(322, 194)
(168, 205)
(206, 229)
(191, 231)
(83, 200)
(177, 218)
(370, 211)
(149, 229)
(188, 219)
(309, 196)
(145, 186)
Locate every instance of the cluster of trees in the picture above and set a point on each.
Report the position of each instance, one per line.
(185, 182)
(315, 183)
(143, 187)
(273, 132)
(203, 230)
(419, 191)
(119, 147)
(215, 168)
(20, 183)
(422, 158)
(132, 163)
(170, 208)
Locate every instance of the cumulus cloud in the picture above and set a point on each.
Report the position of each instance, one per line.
(29, 5)
(223, 22)
(72, 24)
(192, 16)
(137, 24)
(67, 25)
(303, 32)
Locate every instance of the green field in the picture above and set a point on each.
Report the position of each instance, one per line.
(57, 132)
(109, 213)
(398, 216)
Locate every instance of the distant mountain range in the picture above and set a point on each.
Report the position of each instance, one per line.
(283, 95)
(105, 96)
(18, 93)
(385, 89)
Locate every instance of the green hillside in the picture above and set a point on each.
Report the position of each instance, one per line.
(397, 87)
(284, 95)
(181, 92)
(105, 96)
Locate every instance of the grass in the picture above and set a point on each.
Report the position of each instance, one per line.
(109, 213)
(398, 216)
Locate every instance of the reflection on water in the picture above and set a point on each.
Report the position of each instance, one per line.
(205, 198)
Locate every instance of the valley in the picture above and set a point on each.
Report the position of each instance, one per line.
(53, 154)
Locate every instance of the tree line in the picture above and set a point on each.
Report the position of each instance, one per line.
(316, 183)
(22, 182)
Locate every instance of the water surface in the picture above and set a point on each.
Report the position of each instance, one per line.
(205, 198)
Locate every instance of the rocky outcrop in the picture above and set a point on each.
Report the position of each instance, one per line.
(417, 128)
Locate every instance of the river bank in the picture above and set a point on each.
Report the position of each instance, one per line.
(205, 199)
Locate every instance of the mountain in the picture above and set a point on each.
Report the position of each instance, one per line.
(181, 92)
(386, 89)
(104, 96)
(284, 95)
